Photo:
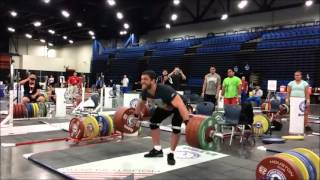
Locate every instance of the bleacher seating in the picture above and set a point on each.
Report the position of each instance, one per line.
(219, 49)
(229, 39)
(291, 38)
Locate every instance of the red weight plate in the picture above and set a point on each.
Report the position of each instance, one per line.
(192, 130)
(274, 167)
(22, 110)
(25, 111)
(19, 111)
(146, 112)
(76, 128)
(14, 111)
(122, 120)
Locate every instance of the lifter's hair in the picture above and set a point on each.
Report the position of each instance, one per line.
(298, 71)
(150, 73)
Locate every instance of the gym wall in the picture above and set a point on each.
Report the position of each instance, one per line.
(35, 55)
(286, 16)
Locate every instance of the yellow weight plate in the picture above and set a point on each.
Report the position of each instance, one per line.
(37, 108)
(313, 157)
(262, 120)
(91, 127)
(300, 165)
(34, 110)
(293, 137)
(110, 122)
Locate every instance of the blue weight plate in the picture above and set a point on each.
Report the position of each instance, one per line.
(103, 125)
(309, 165)
(30, 110)
(273, 140)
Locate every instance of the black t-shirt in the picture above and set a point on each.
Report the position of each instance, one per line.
(176, 79)
(163, 96)
(27, 89)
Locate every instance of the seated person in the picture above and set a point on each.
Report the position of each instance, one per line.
(257, 93)
(31, 90)
(51, 94)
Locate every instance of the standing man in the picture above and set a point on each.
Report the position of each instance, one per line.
(31, 90)
(164, 78)
(231, 88)
(299, 88)
(167, 102)
(125, 83)
(211, 86)
(177, 76)
(244, 89)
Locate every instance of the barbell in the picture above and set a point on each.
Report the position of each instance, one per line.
(295, 164)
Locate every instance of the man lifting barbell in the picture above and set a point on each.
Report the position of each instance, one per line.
(167, 102)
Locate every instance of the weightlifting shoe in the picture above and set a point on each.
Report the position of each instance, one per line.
(170, 159)
(154, 153)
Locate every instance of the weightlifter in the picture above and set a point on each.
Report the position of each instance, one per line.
(167, 102)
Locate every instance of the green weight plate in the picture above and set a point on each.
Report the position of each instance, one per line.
(205, 132)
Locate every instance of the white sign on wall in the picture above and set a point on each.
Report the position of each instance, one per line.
(272, 85)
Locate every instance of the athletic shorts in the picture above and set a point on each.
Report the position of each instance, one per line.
(32, 100)
(160, 114)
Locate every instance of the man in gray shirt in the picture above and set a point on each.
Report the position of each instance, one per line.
(211, 86)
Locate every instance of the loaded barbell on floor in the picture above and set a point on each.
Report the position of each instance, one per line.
(295, 164)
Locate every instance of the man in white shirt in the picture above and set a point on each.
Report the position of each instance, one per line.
(256, 97)
(125, 83)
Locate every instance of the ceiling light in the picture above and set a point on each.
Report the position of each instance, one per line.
(242, 4)
(79, 24)
(65, 13)
(93, 37)
(70, 41)
(168, 26)
(13, 13)
(29, 36)
(119, 15)
(224, 16)
(111, 2)
(11, 29)
(176, 2)
(51, 31)
(37, 23)
(91, 33)
(309, 3)
(65, 37)
(42, 40)
(174, 17)
(50, 44)
(126, 25)
(46, 1)
(123, 32)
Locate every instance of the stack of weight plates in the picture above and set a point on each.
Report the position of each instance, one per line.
(299, 163)
(90, 127)
(30, 110)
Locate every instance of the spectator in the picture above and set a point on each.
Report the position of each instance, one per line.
(164, 78)
(231, 88)
(257, 93)
(244, 89)
(125, 83)
(177, 76)
(31, 90)
(299, 88)
(110, 83)
(99, 83)
(211, 86)
(51, 80)
(74, 83)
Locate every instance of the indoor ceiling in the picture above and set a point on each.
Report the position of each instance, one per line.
(101, 18)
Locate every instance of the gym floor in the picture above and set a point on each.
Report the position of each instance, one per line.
(240, 164)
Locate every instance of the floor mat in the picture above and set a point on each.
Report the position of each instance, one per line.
(125, 159)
